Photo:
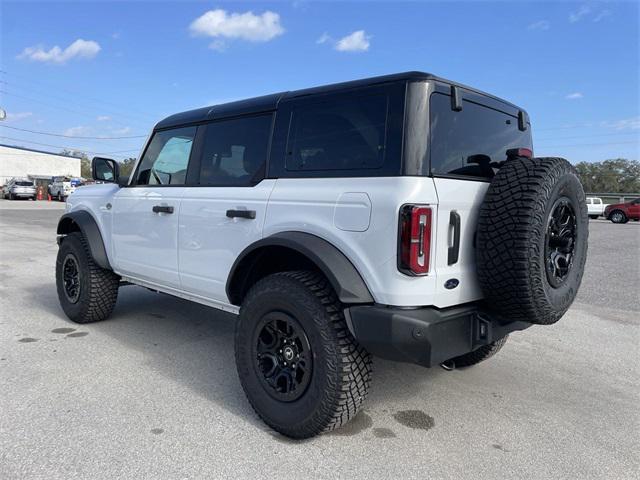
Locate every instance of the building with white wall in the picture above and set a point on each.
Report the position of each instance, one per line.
(35, 164)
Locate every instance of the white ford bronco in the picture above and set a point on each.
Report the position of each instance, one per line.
(402, 216)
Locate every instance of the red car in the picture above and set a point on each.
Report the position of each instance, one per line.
(623, 212)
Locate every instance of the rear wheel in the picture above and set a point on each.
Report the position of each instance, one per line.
(593, 217)
(479, 355)
(87, 293)
(532, 239)
(618, 216)
(300, 367)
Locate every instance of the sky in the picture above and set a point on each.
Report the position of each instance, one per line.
(112, 69)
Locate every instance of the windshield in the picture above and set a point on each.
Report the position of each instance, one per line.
(24, 184)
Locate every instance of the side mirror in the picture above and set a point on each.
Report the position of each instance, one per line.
(105, 170)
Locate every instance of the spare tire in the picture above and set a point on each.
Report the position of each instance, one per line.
(532, 238)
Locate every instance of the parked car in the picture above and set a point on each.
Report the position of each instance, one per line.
(595, 207)
(61, 187)
(623, 212)
(396, 216)
(19, 188)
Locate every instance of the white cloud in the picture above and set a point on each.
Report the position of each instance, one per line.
(624, 124)
(574, 96)
(103, 118)
(324, 38)
(357, 41)
(218, 45)
(80, 130)
(540, 25)
(247, 26)
(17, 116)
(583, 11)
(603, 14)
(79, 49)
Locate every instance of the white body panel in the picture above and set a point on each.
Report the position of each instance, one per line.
(310, 205)
(465, 198)
(209, 241)
(144, 243)
(189, 253)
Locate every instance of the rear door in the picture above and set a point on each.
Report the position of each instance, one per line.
(224, 212)
(467, 147)
(145, 214)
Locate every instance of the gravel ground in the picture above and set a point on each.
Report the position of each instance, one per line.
(153, 392)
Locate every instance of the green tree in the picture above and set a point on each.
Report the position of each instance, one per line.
(85, 163)
(126, 166)
(617, 175)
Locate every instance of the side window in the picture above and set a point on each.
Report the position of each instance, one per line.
(343, 133)
(166, 159)
(235, 151)
(473, 141)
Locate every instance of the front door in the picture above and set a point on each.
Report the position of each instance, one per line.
(225, 212)
(145, 220)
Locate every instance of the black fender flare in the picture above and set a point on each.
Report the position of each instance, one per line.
(90, 231)
(339, 271)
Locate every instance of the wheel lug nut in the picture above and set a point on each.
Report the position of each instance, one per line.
(293, 365)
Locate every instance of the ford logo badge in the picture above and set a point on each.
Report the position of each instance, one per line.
(451, 283)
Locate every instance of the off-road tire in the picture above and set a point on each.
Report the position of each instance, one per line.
(98, 286)
(511, 239)
(479, 355)
(618, 216)
(341, 371)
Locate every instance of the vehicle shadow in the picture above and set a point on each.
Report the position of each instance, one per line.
(193, 345)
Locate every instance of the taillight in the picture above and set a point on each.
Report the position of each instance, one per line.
(415, 239)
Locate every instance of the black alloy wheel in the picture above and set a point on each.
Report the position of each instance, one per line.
(71, 278)
(283, 357)
(560, 241)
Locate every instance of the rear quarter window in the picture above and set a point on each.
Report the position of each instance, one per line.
(343, 134)
(472, 142)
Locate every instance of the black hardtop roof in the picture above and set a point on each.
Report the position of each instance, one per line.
(267, 103)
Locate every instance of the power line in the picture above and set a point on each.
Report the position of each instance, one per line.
(69, 148)
(120, 110)
(71, 136)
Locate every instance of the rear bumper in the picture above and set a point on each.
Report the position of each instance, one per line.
(425, 336)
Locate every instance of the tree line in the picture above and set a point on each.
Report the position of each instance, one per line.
(617, 175)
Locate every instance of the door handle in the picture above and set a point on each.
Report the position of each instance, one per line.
(250, 214)
(162, 209)
(454, 250)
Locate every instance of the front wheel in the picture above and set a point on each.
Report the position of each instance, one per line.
(87, 293)
(300, 367)
(593, 217)
(60, 197)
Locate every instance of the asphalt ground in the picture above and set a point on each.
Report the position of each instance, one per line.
(153, 392)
